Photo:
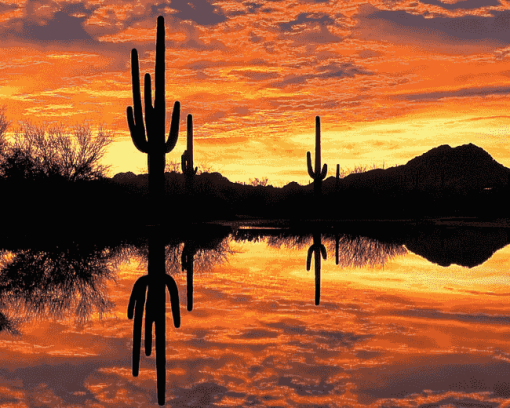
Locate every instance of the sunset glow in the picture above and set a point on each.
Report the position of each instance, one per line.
(389, 80)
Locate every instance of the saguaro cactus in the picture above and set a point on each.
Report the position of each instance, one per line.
(319, 249)
(187, 157)
(337, 179)
(154, 144)
(317, 175)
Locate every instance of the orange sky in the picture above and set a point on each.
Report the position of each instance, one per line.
(390, 80)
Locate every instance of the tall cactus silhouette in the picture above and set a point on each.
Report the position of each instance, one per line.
(319, 249)
(154, 144)
(317, 175)
(187, 157)
(149, 291)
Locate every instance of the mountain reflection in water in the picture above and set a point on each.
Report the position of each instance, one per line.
(391, 329)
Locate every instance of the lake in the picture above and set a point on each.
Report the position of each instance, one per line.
(417, 320)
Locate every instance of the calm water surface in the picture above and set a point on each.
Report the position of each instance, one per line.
(392, 329)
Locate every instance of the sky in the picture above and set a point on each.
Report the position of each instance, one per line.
(389, 79)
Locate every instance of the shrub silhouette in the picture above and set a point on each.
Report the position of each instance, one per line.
(37, 152)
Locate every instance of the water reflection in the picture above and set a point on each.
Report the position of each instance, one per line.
(358, 252)
(392, 329)
(154, 286)
(66, 279)
(318, 249)
(150, 290)
(188, 253)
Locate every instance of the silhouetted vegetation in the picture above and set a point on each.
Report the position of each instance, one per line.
(53, 152)
(317, 175)
(153, 144)
(187, 158)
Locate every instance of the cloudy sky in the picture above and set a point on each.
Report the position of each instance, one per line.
(389, 79)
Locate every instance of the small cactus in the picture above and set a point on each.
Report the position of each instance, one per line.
(187, 157)
(317, 175)
(319, 249)
(153, 144)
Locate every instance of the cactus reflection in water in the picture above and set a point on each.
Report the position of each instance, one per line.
(317, 175)
(153, 144)
(188, 253)
(153, 285)
(319, 250)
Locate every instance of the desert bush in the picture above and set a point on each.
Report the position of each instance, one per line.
(259, 182)
(36, 152)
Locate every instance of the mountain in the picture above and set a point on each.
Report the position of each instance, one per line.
(462, 169)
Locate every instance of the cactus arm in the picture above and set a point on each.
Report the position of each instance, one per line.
(309, 258)
(195, 171)
(183, 261)
(189, 141)
(324, 171)
(138, 297)
(323, 252)
(309, 163)
(149, 321)
(184, 161)
(137, 98)
(149, 110)
(174, 128)
(138, 293)
(135, 121)
(174, 300)
(138, 139)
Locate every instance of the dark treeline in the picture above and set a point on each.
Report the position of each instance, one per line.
(467, 182)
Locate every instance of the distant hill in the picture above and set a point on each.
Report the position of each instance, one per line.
(462, 169)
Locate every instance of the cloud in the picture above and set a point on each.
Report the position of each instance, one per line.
(459, 93)
(461, 317)
(256, 75)
(332, 70)
(304, 18)
(199, 11)
(466, 4)
(455, 35)
(52, 25)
